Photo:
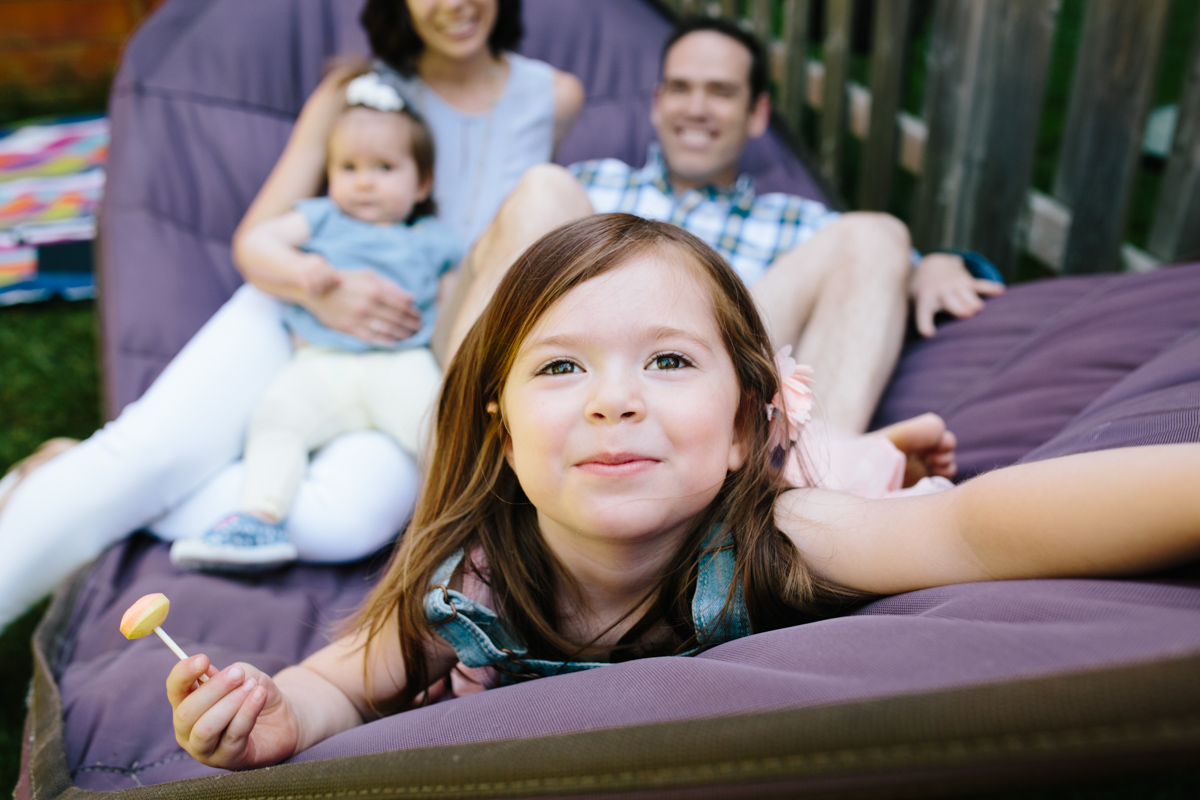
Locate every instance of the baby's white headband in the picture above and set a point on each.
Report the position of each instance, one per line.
(369, 90)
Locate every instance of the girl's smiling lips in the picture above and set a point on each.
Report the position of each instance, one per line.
(616, 464)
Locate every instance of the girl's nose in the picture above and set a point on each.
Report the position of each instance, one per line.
(615, 399)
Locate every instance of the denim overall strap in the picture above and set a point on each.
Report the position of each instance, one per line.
(479, 637)
(713, 579)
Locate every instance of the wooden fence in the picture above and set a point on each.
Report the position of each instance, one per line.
(973, 147)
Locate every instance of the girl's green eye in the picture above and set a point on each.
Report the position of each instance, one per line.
(669, 361)
(560, 368)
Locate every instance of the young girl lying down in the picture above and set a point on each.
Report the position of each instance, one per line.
(606, 480)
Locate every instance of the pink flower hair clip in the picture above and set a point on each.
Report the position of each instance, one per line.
(791, 407)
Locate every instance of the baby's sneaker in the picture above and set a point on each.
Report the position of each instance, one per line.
(240, 542)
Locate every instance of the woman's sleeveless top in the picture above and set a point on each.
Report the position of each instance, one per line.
(480, 638)
(480, 157)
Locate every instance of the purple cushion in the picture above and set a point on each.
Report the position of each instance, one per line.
(204, 102)
(1072, 356)
(118, 723)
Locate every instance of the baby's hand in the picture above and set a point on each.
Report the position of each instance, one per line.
(318, 277)
(238, 719)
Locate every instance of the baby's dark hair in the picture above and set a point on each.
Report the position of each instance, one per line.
(423, 154)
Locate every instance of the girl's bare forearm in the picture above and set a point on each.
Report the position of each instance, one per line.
(320, 707)
(1112, 512)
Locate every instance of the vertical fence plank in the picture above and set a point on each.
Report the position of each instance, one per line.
(730, 10)
(1114, 74)
(760, 21)
(1176, 232)
(887, 78)
(987, 71)
(795, 73)
(836, 57)
(949, 79)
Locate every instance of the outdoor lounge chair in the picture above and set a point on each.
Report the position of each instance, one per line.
(955, 688)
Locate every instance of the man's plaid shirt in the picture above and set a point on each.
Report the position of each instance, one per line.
(749, 230)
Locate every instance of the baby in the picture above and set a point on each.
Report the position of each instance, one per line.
(378, 214)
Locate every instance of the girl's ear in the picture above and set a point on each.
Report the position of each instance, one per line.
(493, 409)
(738, 447)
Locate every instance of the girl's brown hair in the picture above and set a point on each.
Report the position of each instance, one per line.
(472, 497)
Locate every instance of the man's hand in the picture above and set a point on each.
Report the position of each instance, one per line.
(941, 283)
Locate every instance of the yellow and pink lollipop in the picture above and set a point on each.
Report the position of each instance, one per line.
(146, 616)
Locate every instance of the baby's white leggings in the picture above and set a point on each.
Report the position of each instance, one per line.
(169, 462)
(322, 394)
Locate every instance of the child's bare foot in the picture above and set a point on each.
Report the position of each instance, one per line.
(927, 445)
(26, 466)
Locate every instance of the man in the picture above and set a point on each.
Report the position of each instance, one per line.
(834, 286)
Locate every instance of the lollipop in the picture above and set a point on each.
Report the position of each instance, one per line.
(147, 615)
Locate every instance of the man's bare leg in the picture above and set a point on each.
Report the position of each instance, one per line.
(546, 197)
(840, 299)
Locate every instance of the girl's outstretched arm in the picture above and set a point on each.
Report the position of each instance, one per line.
(242, 718)
(1112, 512)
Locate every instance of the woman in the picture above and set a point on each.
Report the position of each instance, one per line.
(168, 461)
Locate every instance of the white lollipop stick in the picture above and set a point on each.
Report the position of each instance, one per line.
(147, 614)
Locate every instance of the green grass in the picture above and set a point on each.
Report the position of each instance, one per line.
(49, 386)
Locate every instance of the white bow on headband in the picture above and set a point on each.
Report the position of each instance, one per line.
(369, 90)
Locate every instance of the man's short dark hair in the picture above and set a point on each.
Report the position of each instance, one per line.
(758, 55)
(393, 38)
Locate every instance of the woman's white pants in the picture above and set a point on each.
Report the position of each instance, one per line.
(170, 463)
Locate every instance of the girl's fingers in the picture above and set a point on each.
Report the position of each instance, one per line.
(253, 698)
(207, 733)
(196, 704)
(183, 677)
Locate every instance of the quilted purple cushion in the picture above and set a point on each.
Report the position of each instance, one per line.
(1072, 364)
(118, 723)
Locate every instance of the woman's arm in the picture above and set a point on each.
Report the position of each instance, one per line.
(300, 170)
(1113, 512)
(241, 718)
(568, 101)
(271, 251)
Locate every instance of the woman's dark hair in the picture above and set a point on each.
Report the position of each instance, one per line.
(758, 55)
(393, 38)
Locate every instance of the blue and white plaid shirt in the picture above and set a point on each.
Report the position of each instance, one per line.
(749, 230)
